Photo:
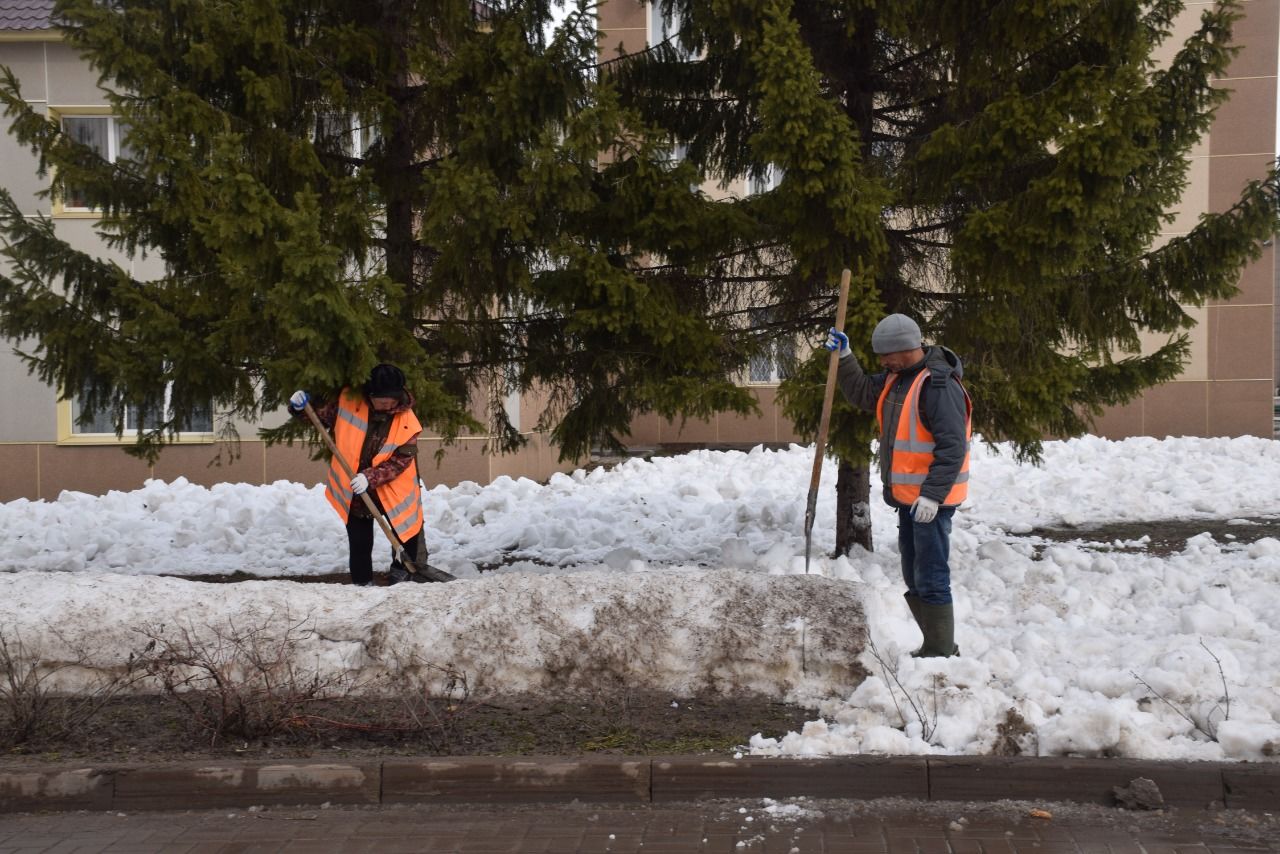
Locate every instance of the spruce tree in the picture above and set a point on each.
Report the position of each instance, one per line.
(333, 183)
(1000, 171)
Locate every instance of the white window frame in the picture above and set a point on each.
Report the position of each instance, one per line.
(659, 28)
(770, 180)
(60, 115)
(71, 433)
(775, 375)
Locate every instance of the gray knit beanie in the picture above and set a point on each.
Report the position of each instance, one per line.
(895, 333)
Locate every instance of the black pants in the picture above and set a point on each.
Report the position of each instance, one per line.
(360, 540)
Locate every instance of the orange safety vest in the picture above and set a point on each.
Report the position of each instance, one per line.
(913, 445)
(401, 499)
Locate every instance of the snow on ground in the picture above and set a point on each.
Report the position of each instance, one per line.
(1113, 653)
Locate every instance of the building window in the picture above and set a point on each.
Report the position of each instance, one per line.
(776, 361)
(105, 135)
(764, 183)
(511, 400)
(663, 27)
(100, 426)
(345, 134)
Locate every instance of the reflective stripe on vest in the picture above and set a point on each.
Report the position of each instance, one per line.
(401, 499)
(913, 445)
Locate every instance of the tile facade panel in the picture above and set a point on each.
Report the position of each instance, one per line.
(95, 469)
(1197, 365)
(463, 460)
(615, 44)
(529, 462)
(71, 82)
(1176, 409)
(1240, 408)
(751, 428)
(20, 176)
(690, 430)
(1246, 123)
(285, 462)
(36, 420)
(21, 467)
(617, 15)
(1120, 422)
(207, 464)
(1240, 342)
(1255, 33)
(1229, 175)
(1257, 281)
(645, 430)
(26, 60)
(1195, 198)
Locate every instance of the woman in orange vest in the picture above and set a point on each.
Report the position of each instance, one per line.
(376, 426)
(926, 423)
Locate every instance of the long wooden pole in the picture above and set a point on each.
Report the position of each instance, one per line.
(828, 397)
(427, 571)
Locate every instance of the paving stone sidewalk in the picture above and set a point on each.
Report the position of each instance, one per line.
(795, 826)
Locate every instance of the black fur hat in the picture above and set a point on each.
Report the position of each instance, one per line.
(385, 381)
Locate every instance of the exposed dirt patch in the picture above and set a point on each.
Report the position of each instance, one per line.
(154, 728)
(1164, 536)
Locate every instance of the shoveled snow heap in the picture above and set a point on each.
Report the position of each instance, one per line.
(1097, 649)
(685, 632)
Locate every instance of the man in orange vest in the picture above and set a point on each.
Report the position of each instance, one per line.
(375, 429)
(925, 418)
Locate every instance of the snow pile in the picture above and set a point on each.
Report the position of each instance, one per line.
(686, 572)
(684, 632)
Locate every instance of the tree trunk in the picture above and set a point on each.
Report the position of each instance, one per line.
(853, 507)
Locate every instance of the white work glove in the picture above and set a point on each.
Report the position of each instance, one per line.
(298, 400)
(924, 510)
(360, 483)
(837, 340)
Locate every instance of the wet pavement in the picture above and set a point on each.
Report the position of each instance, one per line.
(793, 826)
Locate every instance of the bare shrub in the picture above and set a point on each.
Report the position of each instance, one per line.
(1201, 720)
(242, 681)
(30, 707)
(431, 701)
(917, 705)
(1012, 734)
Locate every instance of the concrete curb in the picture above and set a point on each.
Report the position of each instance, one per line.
(630, 780)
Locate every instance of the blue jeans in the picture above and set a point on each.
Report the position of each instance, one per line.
(925, 550)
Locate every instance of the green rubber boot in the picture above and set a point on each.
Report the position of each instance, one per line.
(939, 627)
(916, 606)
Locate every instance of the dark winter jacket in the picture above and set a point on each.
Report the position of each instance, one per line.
(942, 409)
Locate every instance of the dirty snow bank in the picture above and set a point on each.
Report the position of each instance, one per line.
(675, 631)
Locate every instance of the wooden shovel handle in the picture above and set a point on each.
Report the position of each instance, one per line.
(824, 422)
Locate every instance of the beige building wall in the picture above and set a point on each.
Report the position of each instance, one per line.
(39, 458)
(1226, 388)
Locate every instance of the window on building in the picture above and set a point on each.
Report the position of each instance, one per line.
(776, 362)
(766, 182)
(664, 27)
(345, 134)
(511, 401)
(102, 423)
(105, 135)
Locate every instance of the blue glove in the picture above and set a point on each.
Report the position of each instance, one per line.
(837, 340)
(298, 400)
